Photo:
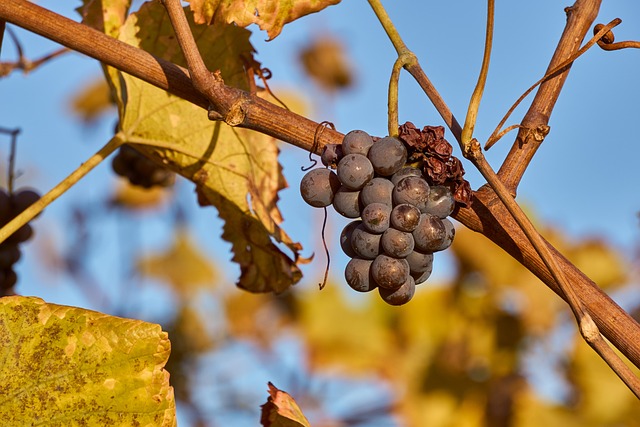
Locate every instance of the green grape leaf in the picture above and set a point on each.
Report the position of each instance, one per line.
(270, 15)
(182, 266)
(69, 366)
(281, 410)
(235, 170)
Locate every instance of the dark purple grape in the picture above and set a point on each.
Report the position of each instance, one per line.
(375, 217)
(5, 207)
(405, 217)
(22, 234)
(345, 238)
(420, 262)
(354, 171)
(421, 277)
(387, 155)
(366, 245)
(413, 190)
(378, 190)
(430, 233)
(401, 295)
(441, 202)
(9, 255)
(389, 272)
(358, 275)
(347, 202)
(404, 172)
(319, 186)
(449, 234)
(357, 142)
(331, 155)
(396, 243)
(8, 278)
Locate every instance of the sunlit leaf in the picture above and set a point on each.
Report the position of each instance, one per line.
(599, 262)
(235, 170)
(325, 61)
(281, 410)
(69, 366)
(182, 265)
(270, 15)
(92, 100)
(104, 15)
(136, 198)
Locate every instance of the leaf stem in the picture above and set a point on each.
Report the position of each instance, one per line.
(392, 120)
(476, 97)
(75, 176)
(388, 26)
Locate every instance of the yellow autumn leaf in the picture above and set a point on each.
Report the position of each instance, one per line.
(66, 366)
(281, 410)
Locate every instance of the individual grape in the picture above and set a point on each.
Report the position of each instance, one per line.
(405, 217)
(345, 238)
(441, 202)
(404, 172)
(396, 243)
(331, 155)
(375, 217)
(354, 171)
(357, 142)
(389, 272)
(140, 170)
(387, 155)
(366, 245)
(347, 202)
(8, 278)
(420, 262)
(319, 186)
(449, 234)
(9, 255)
(430, 233)
(413, 190)
(378, 190)
(421, 277)
(401, 295)
(358, 275)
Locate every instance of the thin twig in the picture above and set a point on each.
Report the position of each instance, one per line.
(392, 102)
(476, 97)
(33, 210)
(497, 134)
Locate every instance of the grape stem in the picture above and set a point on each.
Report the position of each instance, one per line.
(476, 96)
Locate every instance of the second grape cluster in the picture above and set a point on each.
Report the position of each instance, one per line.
(399, 219)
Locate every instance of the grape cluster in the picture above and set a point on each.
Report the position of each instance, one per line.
(400, 220)
(139, 170)
(10, 206)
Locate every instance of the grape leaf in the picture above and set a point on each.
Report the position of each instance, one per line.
(69, 366)
(235, 170)
(104, 15)
(270, 15)
(281, 410)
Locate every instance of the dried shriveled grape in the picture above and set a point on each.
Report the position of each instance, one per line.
(331, 155)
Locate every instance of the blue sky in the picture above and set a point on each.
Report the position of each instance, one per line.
(582, 179)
